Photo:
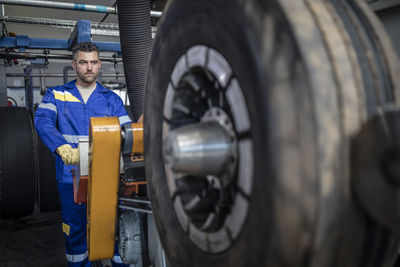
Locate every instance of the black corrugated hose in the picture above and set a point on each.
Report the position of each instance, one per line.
(135, 37)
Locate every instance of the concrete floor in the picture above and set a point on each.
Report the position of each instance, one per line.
(32, 241)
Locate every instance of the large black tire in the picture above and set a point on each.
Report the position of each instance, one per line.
(312, 72)
(17, 163)
(48, 199)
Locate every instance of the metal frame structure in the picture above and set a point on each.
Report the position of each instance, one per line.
(81, 33)
(97, 28)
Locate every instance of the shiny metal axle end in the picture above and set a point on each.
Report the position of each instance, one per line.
(204, 148)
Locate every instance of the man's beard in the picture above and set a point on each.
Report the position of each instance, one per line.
(86, 79)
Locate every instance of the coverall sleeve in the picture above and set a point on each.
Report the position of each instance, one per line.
(46, 122)
(120, 111)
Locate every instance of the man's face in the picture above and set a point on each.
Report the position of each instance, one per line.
(87, 66)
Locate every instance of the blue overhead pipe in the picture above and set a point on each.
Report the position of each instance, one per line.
(62, 5)
(71, 6)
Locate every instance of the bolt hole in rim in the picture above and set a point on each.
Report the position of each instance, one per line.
(207, 149)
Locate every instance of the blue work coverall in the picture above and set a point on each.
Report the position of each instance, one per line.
(63, 118)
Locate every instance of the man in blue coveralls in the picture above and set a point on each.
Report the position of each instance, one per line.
(61, 120)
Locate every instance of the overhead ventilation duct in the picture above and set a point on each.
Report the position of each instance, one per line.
(135, 36)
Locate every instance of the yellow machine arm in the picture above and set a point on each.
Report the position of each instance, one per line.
(104, 155)
(104, 180)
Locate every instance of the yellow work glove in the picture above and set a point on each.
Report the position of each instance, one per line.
(69, 155)
(75, 156)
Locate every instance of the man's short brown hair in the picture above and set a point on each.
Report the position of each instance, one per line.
(84, 47)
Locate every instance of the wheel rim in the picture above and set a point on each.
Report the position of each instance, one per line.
(204, 103)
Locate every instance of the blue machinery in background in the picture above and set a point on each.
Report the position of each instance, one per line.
(81, 33)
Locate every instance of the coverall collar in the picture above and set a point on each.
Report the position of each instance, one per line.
(71, 85)
(99, 90)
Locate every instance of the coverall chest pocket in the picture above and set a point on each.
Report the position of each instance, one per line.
(72, 116)
(102, 112)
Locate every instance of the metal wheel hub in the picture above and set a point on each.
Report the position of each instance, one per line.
(209, 168)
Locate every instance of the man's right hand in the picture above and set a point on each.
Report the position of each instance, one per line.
(69, 155)
(140, 120)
